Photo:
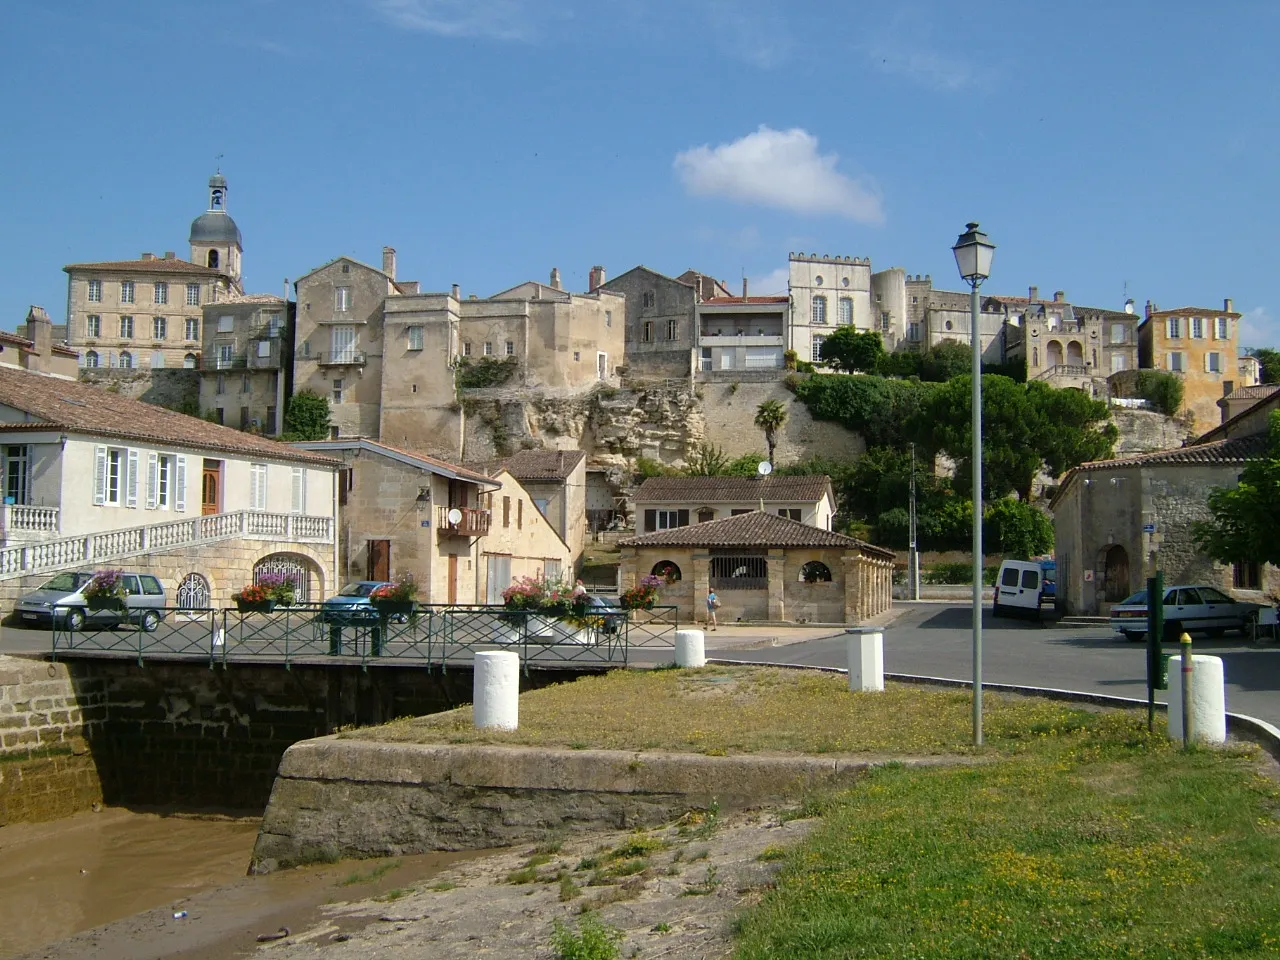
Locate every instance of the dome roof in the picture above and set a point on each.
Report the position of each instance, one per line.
(215, 228)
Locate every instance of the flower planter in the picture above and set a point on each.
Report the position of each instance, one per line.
(255, 606)
(104, 603)
(392, 608)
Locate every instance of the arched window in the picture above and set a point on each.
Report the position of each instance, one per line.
(1035, 356)
(294, 568)
(91, 358)
(193, 592)
(189, 361)
(846, 310)
(126, 360)
(815, 571)
(1075, 353)
(667, 570)
(213, 259)
(819, 311)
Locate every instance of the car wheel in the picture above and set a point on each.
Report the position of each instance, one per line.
(1133, 636)
(1172, 631)
(1217, 633)
(74, 620)
(150, 621)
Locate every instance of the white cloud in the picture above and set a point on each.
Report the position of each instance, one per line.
(778, 168)
(1259, 329)
(923, 66)
(496, 19)
(773, 282)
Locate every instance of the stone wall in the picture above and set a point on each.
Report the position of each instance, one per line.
(171, 387)
(1145, 431)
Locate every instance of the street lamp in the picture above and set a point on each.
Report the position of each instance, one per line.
(973, 258)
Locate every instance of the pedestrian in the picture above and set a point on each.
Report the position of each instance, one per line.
(713, 604)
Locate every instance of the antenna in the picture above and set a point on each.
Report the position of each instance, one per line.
(764, 468)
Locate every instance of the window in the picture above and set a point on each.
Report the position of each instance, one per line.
(815, 571)
(212, 260)
(17, 474)
(115, 480)
(193, 328)
(739, 573)
(226, 324)
(91, 358)
(337, 390)
(1174, 325)
(1176, 362)
(1197, 328)
(818, 280)
(913, 331)
(126, 291)
(341, 299)
(1213, 362)
(126, 328)
(189, 362)
(93, 326)
(1222, 328)
(95, 291)
(706, 515)
(1117, 362)
(1117, 333)
(846, 310)
(1009, 577)
(415, 337)
(884, 321)
(274, 324)
(506, 512)
(159, 328)
(673, 329)
(816, 353)
(1246, 575)
(668, 570)
(161, 292)
(466, 348)
(157, 359)
(298, 503)
(126, 360)
(791, 513)
(342, 344)
(739, 511)
(665, 519)
(648, 299)
(244, 383)
(608, 318)
(159, 481)
(818, 312)
(193, 294)
(577, 356)
(270, 425)
(488, 349)
(511, 348)
(222, 384)
(219, 415)
(519, 514)
(646, 332)
(226, 355)
(257, 486)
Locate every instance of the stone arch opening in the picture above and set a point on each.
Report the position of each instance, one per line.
(213, 259)
(1113, 563)
(815, 571)
(1053, 353)
(1075, 353)
(668, 570)
(297, 569)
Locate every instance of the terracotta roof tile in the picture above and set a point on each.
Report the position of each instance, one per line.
(542, 464)
(1256, 392)
(53, 403)
(1195, 312)
(729, 301)
(807, 489)
(158, 265)
(1215, 451)
(753, 529)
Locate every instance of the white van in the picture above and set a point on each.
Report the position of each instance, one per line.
(1020, 588)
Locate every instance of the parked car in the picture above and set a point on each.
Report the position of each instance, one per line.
(612, 616)
(1021, 587)
(1186, 609)
(351, 604)
(62, 598)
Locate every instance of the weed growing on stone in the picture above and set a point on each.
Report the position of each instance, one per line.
(771, 852)
(369, 876)
(442, 886)
(593, 940)
(392, 895)
(709, 884)
(639, 844)
(569, 890)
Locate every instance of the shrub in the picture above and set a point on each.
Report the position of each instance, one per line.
(958, 572)
(595, 940)
(1017, 529)
(307, 417)
(1162, 390)
(105, 584)
(477, 372)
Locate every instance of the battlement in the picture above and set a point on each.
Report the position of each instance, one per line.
(826, 258)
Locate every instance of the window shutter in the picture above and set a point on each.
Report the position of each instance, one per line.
(99, 475)
(153, 479)
(682, 518)
(180, 484)
(132, 488)
(254, 490)
(299, 490)
(650, 521)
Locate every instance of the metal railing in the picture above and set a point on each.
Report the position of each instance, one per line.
(343, 358)
(429, 636)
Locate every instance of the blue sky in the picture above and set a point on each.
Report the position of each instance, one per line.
(1099, 143)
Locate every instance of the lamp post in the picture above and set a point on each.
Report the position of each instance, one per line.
(973, 254)
(913, 554)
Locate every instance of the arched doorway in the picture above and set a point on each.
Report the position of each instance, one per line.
(1115, 573)
(294, 568)
(1075, 353)
(1053, 353)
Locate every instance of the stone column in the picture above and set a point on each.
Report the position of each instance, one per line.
(627, 569)
(777, 583)
(849, 568)
(701, 584)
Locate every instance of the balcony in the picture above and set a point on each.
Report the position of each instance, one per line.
(1063, 370)
(473, 522)
(343, 358)
(22, 522)
(712, 339)
(236, 362)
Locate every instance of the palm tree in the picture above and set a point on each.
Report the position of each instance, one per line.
(770, 416)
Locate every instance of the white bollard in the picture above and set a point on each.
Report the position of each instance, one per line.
(1208, 699)
(691, 648)
(866, 661)
(495, 692)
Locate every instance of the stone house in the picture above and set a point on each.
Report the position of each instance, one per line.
(1067, 345)
(147, 312)
(556, 481)
(32, 347)
(663, 503)
(742, 333)
(762, 567)
(660, 329)
(246, 364)
(522, 541)
(1245, 398)
(91, 477)
(938, 316)
(1201, 344)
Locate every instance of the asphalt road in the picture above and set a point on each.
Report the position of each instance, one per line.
(936, 640)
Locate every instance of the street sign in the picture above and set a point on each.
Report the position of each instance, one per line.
(1148, 528)
(426, 523)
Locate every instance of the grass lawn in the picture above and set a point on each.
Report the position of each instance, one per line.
(1080, 836)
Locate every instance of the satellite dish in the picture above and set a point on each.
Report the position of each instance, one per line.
(455, 516)
(764, 468)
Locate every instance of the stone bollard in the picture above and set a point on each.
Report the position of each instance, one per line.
(866, 661)
(691, 648)
(495, 691)
(1208, 700)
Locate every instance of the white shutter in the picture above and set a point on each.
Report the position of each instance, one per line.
(262, 486)
(153, 479)
(180, 484)
(299, 490)
(132, 487)
(99, 475)
(253, 486)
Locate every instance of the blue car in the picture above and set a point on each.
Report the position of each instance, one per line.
(352, 603)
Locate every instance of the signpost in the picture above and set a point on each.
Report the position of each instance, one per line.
(1155, 633)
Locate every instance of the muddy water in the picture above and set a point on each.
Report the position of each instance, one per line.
(112, 881)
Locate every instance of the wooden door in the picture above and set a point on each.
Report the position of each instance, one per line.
(453, 578)
(378, 566)
(211, 487)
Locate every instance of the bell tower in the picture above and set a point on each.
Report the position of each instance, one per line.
(215, 238)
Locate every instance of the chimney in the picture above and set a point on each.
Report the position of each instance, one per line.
(555, 279)
(40, 333)
(1228, 306)
(457, 292)
(1147, 315)
(744, 289)
(1033, 293)
(596, 278)
(170, 255)
(389, 261)
(1059, 296)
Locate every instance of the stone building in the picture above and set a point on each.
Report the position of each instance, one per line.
(661, 330)
(1202, 345)
(742, 333)
(147, 312)
(1067, 345)
(826, 292)
(1244, 398)
(762, 567)
(662, 503)
(556, 481)
(246, 365)
(938, 316)
(32, 347)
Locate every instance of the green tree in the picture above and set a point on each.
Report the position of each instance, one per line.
(1270, 361)
(884, 412)
(747, 465)
(770, 416)
(1162, 390)
(900, 363)
(307, 417)
(1016, 529)
(1245, 519)
(1071, 427)
(852, 350)
(707, 460)
(945, 361)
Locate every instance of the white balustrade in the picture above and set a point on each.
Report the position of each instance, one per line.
(19, 516)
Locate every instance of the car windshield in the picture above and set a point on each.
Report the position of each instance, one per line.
(1137, 600)
(357, 590)
(1050, 573)
(66, 582)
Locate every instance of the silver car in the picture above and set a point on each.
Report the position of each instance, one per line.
(1186, 609)
(62, 597)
